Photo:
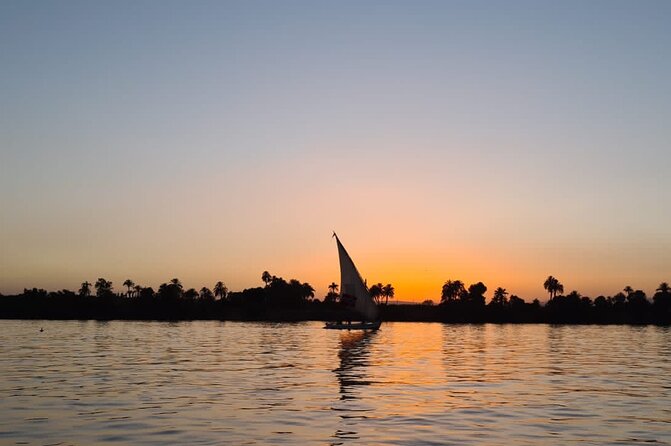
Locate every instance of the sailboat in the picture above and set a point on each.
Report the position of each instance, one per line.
(354, 295)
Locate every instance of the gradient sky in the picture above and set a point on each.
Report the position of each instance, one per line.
(492, 141)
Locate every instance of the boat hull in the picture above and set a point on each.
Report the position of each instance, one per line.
(353, 326)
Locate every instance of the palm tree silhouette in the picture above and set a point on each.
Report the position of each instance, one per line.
(553, 286)
(128, 283)
(172, 290)
(333, 288)
(375, 292)
(499, 297)
(85, 290)
(137, 289)
(388, 293)
(452, 290)
(549, 285)
(220, 290)
(628, 290)
(103, 287)
(662, 298)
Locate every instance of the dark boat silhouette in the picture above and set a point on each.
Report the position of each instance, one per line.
(354, 296)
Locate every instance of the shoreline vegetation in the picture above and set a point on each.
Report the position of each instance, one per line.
(281, 300)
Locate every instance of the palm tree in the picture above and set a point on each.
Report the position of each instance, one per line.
(171, 291)
(549, 285)
(452, 290)
(662, 297)
(220, 290)
(375, 292)
(128, 283)
(628, 290)
(332, 295)
(388, 293)
(85, 290)
(499, 297)
(137, 289)
(553, 286)
(103, 287)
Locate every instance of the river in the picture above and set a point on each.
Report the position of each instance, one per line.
(208, 383)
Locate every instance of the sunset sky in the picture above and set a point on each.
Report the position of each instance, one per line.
(484, 141)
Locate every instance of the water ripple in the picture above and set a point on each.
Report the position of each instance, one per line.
(209, 383)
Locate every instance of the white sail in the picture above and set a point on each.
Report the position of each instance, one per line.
(352, 286)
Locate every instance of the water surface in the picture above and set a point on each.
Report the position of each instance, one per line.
(409, 383)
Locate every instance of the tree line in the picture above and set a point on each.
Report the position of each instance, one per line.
(171, 290)
(378, 292)
(628, 306)
(279, 299)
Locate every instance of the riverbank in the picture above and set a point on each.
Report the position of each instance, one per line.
(122, 308)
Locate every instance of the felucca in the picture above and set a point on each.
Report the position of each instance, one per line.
(354, 296)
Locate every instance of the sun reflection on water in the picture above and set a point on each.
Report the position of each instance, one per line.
(262, 383)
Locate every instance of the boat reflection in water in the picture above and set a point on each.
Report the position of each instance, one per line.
(354, 356)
